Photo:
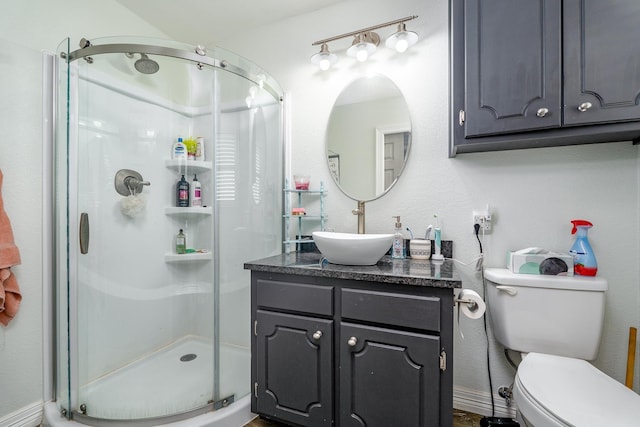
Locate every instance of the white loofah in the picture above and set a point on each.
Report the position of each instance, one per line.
(133, 205)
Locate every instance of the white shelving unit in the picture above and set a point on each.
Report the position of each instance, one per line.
(187, 213)
(299, 195)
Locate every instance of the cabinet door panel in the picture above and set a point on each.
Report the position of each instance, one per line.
(602, 60)
(294, 368)
(512, 75)
(388, 378)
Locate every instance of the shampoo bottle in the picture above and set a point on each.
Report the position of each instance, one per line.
(584, 260)
(196, 192)
(181, 243)
(398, 248)
(179, 150)
(182, 193)
(200, 148)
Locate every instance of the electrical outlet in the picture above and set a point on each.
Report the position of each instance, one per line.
(483, 218)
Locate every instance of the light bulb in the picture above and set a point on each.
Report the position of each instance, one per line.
(402, 45)
(324, 64)
(362, 54)
(402, 39)
(324, 59)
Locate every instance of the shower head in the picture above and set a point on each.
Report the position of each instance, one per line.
(146, 65)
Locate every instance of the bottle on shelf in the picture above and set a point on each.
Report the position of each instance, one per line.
(179, 150)
(182, 193)
(181, 242)
(196, 192)
(398, 247)
(200, 148)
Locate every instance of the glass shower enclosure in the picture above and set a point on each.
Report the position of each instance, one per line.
(146, 334)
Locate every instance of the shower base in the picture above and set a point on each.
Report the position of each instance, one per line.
(171, 381)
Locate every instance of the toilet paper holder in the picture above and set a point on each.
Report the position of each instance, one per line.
(470, 303)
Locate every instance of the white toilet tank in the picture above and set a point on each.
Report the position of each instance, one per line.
(546, 314)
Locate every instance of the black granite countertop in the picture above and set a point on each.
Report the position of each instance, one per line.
(387, 270)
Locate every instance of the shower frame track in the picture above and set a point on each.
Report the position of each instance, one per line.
(87, 52)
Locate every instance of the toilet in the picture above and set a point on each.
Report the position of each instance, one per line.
(557, 321)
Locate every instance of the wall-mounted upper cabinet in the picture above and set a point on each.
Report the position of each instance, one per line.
(535, 73)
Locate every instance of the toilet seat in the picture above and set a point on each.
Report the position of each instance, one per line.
(560, 391)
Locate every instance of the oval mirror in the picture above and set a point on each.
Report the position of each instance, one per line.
(368, 138)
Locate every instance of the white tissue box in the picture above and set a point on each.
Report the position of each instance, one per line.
(548, 263)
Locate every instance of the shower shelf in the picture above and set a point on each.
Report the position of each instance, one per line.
(173, 257)
(296, 221)
(188, 211)
(195, 166)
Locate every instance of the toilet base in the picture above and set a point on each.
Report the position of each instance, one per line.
(498, 422)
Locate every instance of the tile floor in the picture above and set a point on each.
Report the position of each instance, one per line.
(460, 419)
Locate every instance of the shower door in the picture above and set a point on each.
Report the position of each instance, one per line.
(150, 333)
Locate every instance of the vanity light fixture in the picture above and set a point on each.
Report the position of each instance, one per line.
(365, 43)
(324, 59)
(402, 39)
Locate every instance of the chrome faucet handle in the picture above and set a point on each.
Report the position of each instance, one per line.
(129, 182)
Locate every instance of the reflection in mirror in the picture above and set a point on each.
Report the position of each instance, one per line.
(368, 137)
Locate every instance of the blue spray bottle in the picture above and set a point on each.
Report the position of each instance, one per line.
(584, 261)
(437, 256)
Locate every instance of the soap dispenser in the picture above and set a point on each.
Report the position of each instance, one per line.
(584, 262)
(398, 248)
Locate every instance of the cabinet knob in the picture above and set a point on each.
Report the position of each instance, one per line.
(352, 341)
(584, 106)
(542, 112)
(317, 335)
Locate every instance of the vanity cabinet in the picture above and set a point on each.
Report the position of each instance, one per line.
(531, 73)
(328, 351)
(292, 350)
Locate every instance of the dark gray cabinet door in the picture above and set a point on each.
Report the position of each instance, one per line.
(512, 73)
(388, 378)
(601, 61)
(295, 368)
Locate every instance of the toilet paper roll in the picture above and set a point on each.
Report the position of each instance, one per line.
(470, 310)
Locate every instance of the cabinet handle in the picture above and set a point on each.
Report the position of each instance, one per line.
(542, 112)
(352, 341)
(584, 106)
(317, 335)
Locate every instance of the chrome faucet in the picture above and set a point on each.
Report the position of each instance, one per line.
(360, 213)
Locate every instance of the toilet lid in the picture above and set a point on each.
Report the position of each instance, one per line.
(577, 393)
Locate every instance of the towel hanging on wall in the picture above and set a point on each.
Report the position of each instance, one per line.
(10, 296)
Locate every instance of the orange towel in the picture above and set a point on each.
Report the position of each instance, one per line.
(10, 296)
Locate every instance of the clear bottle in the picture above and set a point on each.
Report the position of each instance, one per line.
(181, 243)
(182, 193)
(585, 263)
(196, 192)
(200, 148)
(398, 247)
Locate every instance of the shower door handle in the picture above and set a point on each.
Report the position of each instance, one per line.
(84, 233)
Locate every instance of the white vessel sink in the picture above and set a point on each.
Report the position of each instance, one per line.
(352, 249)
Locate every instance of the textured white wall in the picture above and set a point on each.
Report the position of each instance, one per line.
(20, 161)
(533, 194)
